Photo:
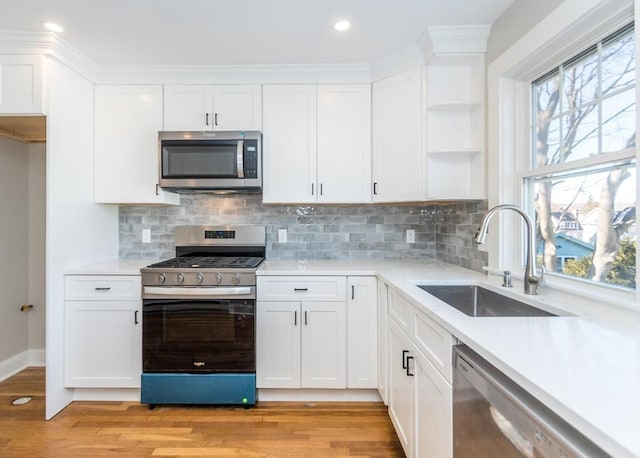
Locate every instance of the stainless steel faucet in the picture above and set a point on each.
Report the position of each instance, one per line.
(531, 279)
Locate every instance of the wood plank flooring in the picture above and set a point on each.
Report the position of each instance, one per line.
(129, 429)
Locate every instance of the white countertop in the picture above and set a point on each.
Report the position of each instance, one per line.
(112, 267)
(585, 371)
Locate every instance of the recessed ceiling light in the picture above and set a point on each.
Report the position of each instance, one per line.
(341, 26)
(52, 26)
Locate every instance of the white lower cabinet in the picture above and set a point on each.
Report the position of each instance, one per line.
(316, 332)
(420, 396)
(301, 345)
(103, 331)
(362, 332)
(301, 332)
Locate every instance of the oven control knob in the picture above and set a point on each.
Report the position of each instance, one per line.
(218, 278)
(199, 278)
(180, 279)
(235, 279)
(161, 279)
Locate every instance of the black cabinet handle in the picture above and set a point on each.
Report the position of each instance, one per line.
(375, 188)
(320, 188)
(215, 119)
(103, 288)
(409, 373)
(305, 317)
(312, 189)
(301, 289)
(135, 318)
(206, 119)
(404, 358)
(295, 318)
(353, 292)
(157, 189)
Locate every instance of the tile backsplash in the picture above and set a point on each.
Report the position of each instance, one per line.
(316, 231)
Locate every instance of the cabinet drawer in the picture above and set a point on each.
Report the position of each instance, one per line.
(400, 309)
(102, 287)
(290, 288)
(434, 342)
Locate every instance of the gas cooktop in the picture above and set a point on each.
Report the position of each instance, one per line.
(206, 262)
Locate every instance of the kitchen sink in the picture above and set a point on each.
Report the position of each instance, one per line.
(477, 301)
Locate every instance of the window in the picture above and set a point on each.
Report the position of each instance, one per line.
(582, 178)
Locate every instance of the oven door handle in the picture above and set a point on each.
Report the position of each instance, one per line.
(244, 291)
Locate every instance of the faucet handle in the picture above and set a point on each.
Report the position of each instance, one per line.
(541, 277)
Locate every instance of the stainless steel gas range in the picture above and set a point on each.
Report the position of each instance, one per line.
(198, 318)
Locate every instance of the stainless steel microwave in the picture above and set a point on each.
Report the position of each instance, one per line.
(210, 161)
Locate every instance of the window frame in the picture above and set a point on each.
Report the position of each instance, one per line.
(562, 35)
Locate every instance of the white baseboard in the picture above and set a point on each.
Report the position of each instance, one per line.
(106, 394)
(37, 357)
(24, 359)
(308, 395)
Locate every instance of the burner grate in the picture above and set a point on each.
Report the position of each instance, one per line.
(188, 262)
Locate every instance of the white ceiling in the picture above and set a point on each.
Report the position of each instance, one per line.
(239, 32)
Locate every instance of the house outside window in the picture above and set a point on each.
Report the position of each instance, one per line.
(581, 182)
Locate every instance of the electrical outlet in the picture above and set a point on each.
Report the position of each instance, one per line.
(146, 235)
(411, 236)
(282, 236)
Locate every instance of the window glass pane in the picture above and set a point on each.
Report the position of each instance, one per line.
(547, 143)
(586, 225)
(618, 121)
(618, 63)
(580, 83)
(580, 132)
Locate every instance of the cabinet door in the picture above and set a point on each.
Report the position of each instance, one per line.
(289, 143)
(433, 431)
(278, 344)
(237, 107)
(401, 397)
(362, 344)
(399, 154)
(21, 84)
(344, 143)
(103, 342)
(383, 342)
(324, 345)
(188, 107)
(127, 122)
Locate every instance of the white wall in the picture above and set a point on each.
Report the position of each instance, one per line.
(36, 266)
(78, 230)
(14, 173)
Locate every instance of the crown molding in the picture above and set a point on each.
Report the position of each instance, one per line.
(452, 39)
(234, 74)
(397, 62)
(48, 44)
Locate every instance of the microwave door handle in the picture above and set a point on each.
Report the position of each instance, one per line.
(240, 158)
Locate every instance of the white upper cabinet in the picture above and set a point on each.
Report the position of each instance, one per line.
(212, 107)
(127, 121)
(316, 142)
(289, 143)
(399, 156)
(344, 143)
(455, 127)
(21, 84)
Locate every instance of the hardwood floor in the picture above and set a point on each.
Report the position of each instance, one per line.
(129, 429)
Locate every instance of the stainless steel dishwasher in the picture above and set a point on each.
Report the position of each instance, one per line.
(495, 417)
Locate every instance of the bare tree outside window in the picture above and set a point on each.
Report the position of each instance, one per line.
(583, 173)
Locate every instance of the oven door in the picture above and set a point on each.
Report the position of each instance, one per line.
(198, 335)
